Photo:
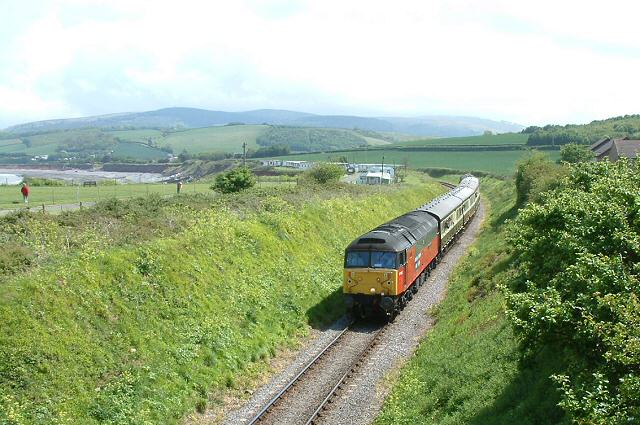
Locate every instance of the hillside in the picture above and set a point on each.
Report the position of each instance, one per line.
(617, 127)
(155, 144)
(172, 118)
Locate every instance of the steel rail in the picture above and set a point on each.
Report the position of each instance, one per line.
(258, 417)
(352, 368)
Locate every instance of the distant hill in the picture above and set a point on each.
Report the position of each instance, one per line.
(172, 118)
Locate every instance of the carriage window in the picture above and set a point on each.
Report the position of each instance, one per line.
(357, 259)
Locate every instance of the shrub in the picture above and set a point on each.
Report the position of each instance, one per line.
(236, 180)
(576, 287)
(534, 175)
(573, 153)
(325, 173)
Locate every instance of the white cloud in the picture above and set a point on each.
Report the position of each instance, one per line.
(531, 62)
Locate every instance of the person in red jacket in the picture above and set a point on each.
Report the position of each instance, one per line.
(25, 192)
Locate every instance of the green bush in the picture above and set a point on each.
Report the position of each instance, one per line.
(573, 153)
(238, 179)
(534, 175)
(576, 288)
(324, 173)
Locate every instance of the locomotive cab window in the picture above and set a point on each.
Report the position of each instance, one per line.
(357, 259)
(383, 260)
(373, 259)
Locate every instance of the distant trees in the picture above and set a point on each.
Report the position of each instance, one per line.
(618, 127)
(236, 180)
(274, 150)
(573, 153)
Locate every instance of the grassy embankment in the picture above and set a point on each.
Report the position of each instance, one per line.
(467, 369)
(99, 327)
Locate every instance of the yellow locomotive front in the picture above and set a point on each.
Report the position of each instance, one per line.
(370, 280)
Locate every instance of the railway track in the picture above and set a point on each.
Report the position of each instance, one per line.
(304, 398)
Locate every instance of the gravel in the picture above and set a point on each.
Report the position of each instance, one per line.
(361, 400)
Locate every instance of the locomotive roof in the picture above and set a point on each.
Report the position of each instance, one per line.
(397, 234)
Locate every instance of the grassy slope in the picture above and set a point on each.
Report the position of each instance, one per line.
(142, 334)
(218, 139)
(501, 162)
(467, 371)
(498, 139)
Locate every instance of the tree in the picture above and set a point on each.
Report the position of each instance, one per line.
(238, 179)
(574, 153)
(325, 173)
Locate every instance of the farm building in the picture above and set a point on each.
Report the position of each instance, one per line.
(615, 149)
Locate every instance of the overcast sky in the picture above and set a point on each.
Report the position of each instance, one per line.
(531, 62)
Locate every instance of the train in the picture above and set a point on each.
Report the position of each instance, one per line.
(386, 266)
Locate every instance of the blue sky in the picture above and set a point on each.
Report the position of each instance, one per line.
(531, 62)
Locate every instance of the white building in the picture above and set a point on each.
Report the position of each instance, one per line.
(271, 162)
(298, 164)
(375, 178)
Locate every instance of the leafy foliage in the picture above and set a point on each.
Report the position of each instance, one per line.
(576, 288)
(325, 173)
(574, 153)
(534, 175)
(235, 180)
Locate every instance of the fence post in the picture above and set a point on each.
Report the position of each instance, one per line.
(43, 208)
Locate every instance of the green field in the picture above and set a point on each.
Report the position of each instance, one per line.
(498, 162)
(137, 151)
(493, 140)
(10, 197)
(227, 138)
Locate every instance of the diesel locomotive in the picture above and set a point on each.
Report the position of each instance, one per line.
(384, 268)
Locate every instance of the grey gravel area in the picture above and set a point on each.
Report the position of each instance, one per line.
(361, 400)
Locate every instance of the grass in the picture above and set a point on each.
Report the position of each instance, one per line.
(500, 162)
(99, 332)
(467, 370)
(214, 139)
(492, 140)
(11, 198)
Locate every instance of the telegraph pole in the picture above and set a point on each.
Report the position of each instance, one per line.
(382, 171)
(244, 154)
